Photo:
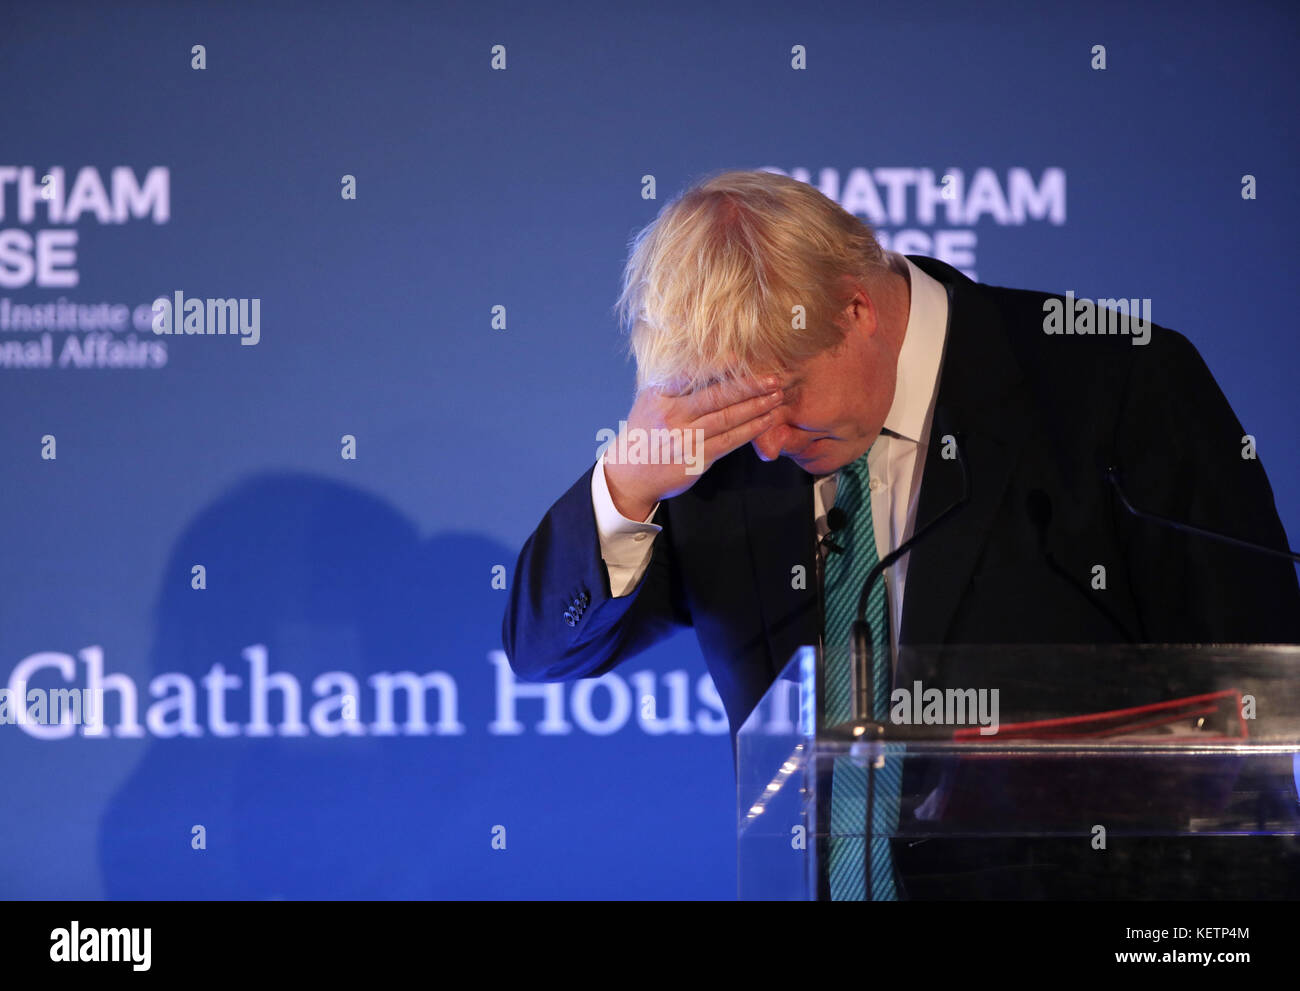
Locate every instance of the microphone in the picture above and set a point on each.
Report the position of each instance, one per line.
(860, 636)
(836, 520)
(1038, 504)
(1112, 475)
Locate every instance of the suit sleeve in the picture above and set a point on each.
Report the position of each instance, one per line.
(1179, 445)
(561, 621)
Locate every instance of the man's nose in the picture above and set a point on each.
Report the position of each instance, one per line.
(767, 445)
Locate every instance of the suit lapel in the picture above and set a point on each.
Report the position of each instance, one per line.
(983, 399)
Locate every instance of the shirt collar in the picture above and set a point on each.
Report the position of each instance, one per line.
(921, 354)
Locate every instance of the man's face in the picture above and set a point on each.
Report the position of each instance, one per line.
(835, 402)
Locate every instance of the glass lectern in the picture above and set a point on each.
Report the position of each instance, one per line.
(1033, 772)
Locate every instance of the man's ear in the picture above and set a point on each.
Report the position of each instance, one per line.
(861, 311)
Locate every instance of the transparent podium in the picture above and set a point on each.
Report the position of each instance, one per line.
(1030, 772)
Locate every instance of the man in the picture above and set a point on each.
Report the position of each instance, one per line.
(768, 323)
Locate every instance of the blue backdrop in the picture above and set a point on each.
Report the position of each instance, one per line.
(328, 714)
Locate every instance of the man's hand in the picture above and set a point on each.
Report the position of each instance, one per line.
(709, 423)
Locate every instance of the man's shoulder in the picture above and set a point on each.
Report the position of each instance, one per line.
(1037, 321)
(1080, 361)
(1089, 339)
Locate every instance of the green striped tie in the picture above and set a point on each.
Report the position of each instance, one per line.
(846, 573)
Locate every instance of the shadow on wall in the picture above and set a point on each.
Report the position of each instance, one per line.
(325, 578)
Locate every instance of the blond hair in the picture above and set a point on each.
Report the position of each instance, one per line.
(711, 284)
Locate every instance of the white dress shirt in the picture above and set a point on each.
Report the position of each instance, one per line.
(895, 464)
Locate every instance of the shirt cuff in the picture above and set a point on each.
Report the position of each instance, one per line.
(625, 545)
